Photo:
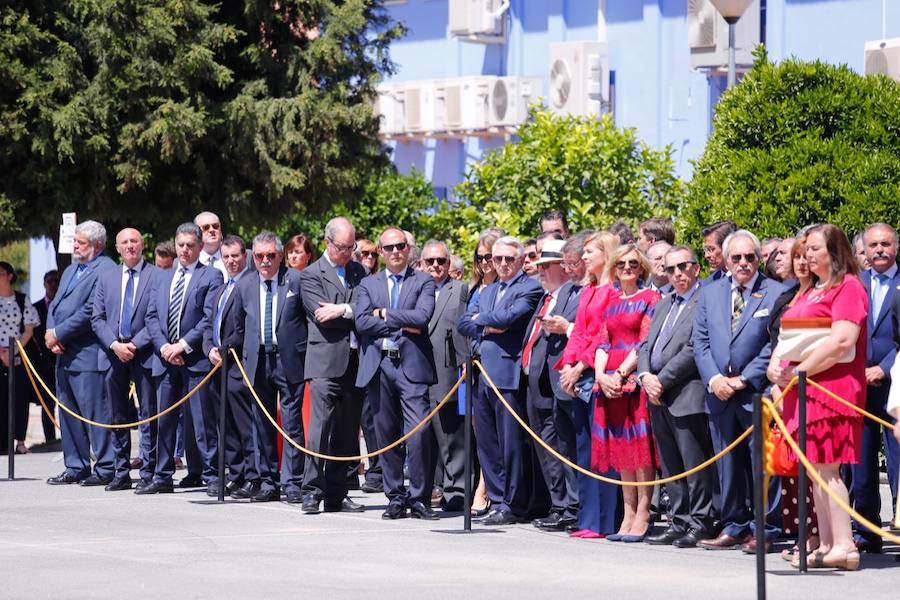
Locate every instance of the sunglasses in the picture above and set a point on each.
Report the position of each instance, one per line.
(631, 264)
(341, 247)
(532, 255)
(483, 257)
(682, 266)
(261, 256)
(504, 259)
(437, 260)
(369, 254)
(736, 258)
(391, 247)
(209, 226)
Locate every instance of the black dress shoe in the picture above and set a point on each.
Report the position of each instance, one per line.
(118, 484)
(246, 491)
(294, 497)
(155, 487)
(65, 478)
(212, 489)
(191, 482)
(372, 486)
(143, 483)
(395, 510)
(233, 486)
(310, 505)
(484, 513)
(346, 505)
(554, 522)
(454, 504)
(690, 539)
(93, 480)
(499, 517)
(572, 528)
(418, 510)
(664, 538)
(869, 546)
(269, 495)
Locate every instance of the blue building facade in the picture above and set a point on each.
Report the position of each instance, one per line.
(655, 87)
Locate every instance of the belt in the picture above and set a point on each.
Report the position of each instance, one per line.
(390, 352)
(262, 349)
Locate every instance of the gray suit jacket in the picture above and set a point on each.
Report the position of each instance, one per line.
(451, 349)
(683, 390)
(548, 348)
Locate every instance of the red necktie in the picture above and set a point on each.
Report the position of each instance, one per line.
(535, 331)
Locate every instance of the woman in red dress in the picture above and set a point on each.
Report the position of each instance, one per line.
(621, 433)
(833, 430)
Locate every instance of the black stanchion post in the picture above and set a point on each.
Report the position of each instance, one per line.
(759, 497)
(467, 497)
(801, 470)
(223, 403)
(11, 410)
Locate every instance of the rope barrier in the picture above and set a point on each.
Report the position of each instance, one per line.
(319, 455)
(552, 451)
(822, 484)
(40, 397)
(30, 367)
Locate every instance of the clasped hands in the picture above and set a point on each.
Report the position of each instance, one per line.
(725, 387)
(172, 353)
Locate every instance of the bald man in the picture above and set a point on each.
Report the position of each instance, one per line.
(120, 303)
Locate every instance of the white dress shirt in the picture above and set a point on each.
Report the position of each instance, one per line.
(218, 262)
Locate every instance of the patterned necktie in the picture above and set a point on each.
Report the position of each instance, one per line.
(267, 319)
(211, 261)
(738, 303)
(175, 301)
(127, 307)
(535, 331)
(217, 327)
(395, 290)
(664, 334)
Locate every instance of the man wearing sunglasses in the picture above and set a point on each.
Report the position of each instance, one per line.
(732, 350)
(677, 404)
(211, 254)
(499, 322)
(392, 311)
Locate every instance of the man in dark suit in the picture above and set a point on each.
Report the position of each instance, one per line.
(328, 289)
(549, 408)
(178, 316)
(882, 280)
(713, 239)
(677, 402)
(118, 320)
(450, 352)
(392, 311)
(499, 321)
(79, 375)
(270, 329)
(44, 360)
(733, 369)
(240, 445)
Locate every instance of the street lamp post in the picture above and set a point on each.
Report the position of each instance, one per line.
(731, 11)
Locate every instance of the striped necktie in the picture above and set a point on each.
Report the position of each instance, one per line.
(175, 301)
(267, 319)
(738, 303)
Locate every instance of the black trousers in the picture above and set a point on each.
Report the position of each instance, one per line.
(20, 408)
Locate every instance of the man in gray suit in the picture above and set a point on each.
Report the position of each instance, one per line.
(677, 403)
(450, 352)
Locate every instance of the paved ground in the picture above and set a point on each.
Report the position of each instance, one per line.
(72, 542)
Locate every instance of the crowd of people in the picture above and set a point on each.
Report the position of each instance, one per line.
(612, 347)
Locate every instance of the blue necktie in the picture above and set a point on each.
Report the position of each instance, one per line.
(267, 319)
(500, 293)
(879, 295)
(664, 334)
(217, 327)
(395, 290)
(341, 273)
(127, 307)
(75, 277)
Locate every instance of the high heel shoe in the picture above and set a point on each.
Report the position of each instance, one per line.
(849, 561)
(480, 512)
(615, 537)
(635, 539)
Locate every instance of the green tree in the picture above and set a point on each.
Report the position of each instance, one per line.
(146, 111)
(798, 143)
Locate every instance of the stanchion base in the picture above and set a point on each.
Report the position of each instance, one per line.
(457, 531)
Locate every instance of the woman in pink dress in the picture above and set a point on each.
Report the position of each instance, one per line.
(833, 430)
(621, 434)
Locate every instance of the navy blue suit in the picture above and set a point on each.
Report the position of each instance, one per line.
(174, 381)
(106, 322)
(276, 373)
(501, 447)
(79, 372)
(881, 350)
(746, 352)
(397, 386)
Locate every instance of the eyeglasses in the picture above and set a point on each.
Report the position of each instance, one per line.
(341, 247)
(736, 258)
(532, 255)
(631, 264)
(437, 260)
(261, 256)
(483, 257)
(400, 247)
(569, 266)
(682, 266)
(209, 226)
(368, 254)
(504, 259)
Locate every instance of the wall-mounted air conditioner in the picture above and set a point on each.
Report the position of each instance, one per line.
(482, 21)
(467, 102)
(509, 99)
(389, 108)
(882, 57)
(579, 78)
(708, 35)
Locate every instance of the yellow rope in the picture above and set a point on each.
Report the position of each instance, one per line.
(359, 457)
(40, 398)
(598, 477)
(849, 404)
(29, 366)
(822, 484)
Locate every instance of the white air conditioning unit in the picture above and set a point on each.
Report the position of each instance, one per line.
(413, 119)
(579, 78)
(389, 108)
(882, 57)
(467, 102)
(708, 35)
(510, 97)
(478, 20)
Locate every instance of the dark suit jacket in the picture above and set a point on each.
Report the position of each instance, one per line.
(415, 305)
(106, 315)
(195, 310)
(881, 346)
(548, 348)
(746, 351)
(451, 349)
(328, 344)
(683, 391)
(290, 323)
(70, 316)
(227, 326)
(501, 353)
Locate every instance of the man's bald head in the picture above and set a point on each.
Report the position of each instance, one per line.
(130, 246)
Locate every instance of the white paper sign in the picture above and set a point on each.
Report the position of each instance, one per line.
(67, 234)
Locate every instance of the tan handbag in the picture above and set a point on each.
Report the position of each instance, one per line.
(798, 338)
